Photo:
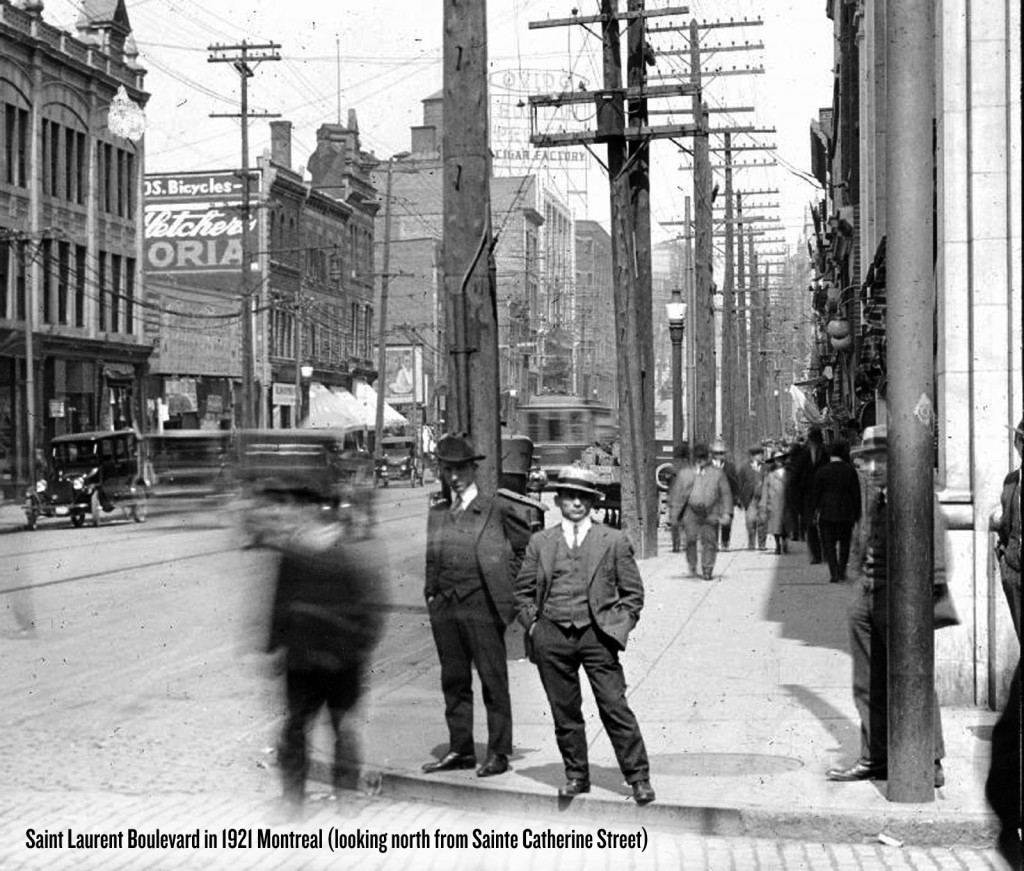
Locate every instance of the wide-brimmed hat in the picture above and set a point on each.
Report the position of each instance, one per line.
(456, 449)
(875, 440)
(576, 480)
(756, 449)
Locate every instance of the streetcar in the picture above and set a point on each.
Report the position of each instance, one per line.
(570, 429)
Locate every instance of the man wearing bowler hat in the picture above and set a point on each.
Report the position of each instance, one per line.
(579, 595)
(474, 547)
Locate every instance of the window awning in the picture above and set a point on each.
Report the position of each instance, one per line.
(366, 396)
(328, 410)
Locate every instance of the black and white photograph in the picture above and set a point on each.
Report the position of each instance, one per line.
(523, 434)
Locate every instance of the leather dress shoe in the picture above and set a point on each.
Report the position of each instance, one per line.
(642, 792)
(451, 762)
(495, 764)
(862, 769)
(573, 787)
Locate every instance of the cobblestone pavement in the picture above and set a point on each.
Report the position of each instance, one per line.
(374, 833)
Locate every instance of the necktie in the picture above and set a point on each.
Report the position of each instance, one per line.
(575, 537)
(457, 508)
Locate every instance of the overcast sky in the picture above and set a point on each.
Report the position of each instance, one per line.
(390, 53)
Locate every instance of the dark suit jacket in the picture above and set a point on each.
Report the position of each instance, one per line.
(500, 537)
(615, 591)
(835, 493)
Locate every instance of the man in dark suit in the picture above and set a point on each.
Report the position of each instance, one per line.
(835, 509)
(1007, 526)
(474, 546)
(805, 464)
(579, 595)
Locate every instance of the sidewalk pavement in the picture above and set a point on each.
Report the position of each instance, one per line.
(742, 687)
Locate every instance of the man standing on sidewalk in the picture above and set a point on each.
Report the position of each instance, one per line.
(751, 480)
(812, 458)
(835, 509)
(869, 623)
(710, 500)
(474, 547)
(720, 461)
(579, 595)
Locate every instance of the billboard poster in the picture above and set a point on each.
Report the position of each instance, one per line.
(403, 374)
(193, 222)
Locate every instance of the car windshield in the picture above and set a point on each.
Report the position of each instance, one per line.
(84, 454)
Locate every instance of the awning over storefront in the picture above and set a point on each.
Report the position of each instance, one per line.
(329, 409)
(367, 398)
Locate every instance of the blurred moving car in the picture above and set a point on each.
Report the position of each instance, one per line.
(278, 471)
(188, 463)
(89, 474)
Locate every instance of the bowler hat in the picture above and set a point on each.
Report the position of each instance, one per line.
(577, 480)
(456, 449)
(756, 449)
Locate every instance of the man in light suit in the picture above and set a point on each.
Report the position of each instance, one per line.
(474, 547)
(579, 595)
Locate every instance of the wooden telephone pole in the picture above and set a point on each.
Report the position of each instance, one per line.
(628, 140)
(244, 57)
(469, 278)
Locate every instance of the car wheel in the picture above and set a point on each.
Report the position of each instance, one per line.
(95, 508)
(31, 519)
(140, 507)
(77, 519)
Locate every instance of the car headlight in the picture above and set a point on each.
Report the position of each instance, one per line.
(78, 483)
(41, 486)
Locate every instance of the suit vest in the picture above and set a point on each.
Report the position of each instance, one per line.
(567, 602)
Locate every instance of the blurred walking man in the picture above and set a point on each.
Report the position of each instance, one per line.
(710, 500)
(579, 595)
(719, 461)
(751, 480)
(474, 547)
(835, 509)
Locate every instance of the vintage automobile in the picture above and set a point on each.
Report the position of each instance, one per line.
(276, 470)
(399, 461)
(188, 463)
(90, 474)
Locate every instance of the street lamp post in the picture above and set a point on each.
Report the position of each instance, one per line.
(306, 371)
(676, 312)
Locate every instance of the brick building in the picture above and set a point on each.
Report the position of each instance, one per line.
(72, 349)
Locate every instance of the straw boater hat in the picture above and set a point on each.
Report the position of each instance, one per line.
(874, 441)
(456, 450)
(573, 479)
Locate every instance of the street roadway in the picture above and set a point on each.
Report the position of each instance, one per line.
(132, 653)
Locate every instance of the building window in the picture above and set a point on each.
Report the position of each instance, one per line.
(15, 146)
(129, 295)
(46, 263)
(6, 279)
(80, 252)
(63, 280)
(115, 292)
(102, 291)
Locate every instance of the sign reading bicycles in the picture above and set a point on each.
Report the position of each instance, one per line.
(193, 221)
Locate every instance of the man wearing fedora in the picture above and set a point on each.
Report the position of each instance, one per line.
(474, 546)
(579, 594)
(869, 621)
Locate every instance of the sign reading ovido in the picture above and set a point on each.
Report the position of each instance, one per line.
(193, 221)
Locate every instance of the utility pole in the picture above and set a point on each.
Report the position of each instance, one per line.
(469, 276)
(628, 157)
(691, 307)
(742, 404)
(729, 356)
(910, 362)
(382, 322)
(244, 57)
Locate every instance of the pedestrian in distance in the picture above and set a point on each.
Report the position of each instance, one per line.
(1007, 525)
(772, 509)
(751, 481)
(835, 509)
(719, 460)
(869, 622)
(579, 594)
(709, 500)
(678, 495)
(812, 458)
(328, 614)
(475, 544)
